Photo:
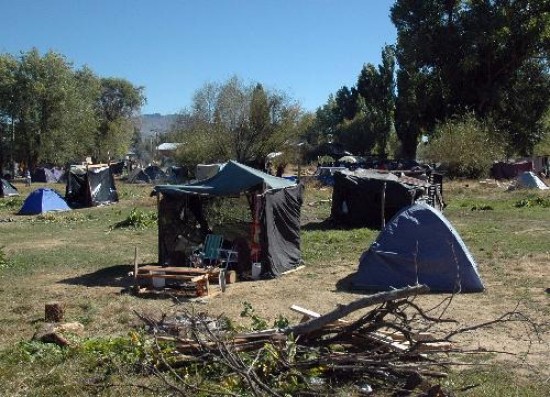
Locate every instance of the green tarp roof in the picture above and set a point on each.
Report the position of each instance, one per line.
(232, 179)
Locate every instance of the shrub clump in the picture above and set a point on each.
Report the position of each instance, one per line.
(530, 202)
(138, 219)
(465, 147)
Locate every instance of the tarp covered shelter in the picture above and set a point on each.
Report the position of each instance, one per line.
(7, 189)
(359, 197)
(177, 174)
(43, 200)
(501, 170)
(43, 174)
(90, 186)
(273, 228)
(418, 245)
(150, 174)
(117, 168)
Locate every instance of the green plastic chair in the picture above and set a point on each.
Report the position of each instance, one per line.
(211, 251)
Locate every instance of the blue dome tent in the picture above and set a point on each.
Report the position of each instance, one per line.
(418, 245)
(43, 200)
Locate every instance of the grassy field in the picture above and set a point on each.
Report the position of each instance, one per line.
(82, 259)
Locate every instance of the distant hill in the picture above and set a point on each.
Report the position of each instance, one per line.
(150, 124)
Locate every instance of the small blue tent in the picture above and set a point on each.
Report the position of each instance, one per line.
(43, 200)
(418, 245)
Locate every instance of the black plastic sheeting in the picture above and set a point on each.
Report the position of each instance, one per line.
(183, 225)
(90, 188)
(280, 236)
(357, 201)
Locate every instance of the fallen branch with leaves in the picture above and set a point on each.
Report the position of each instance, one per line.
(393, 347)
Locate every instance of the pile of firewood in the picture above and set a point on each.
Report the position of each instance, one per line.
(389, 349)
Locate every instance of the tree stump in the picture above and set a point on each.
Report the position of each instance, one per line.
(54, 312)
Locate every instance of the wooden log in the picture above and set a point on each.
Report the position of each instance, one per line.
(54, 312)
(231, 277)
(344, 310)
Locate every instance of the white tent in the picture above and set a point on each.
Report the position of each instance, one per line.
(529, 180)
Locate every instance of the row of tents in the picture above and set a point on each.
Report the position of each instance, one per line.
(87, 186)
(416, 244)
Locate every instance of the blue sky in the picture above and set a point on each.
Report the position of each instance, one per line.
(307, 48)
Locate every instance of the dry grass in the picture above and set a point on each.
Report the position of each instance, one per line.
(76, 258)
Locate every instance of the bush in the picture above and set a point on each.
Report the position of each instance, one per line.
(466, 147)
(138, 219)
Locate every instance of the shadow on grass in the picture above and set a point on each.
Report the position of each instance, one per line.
(329, 224)
(114, 276)
(345, 284)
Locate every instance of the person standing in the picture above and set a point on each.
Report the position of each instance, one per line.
(28, 178)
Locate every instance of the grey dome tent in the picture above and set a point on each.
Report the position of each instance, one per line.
(7, 189)
(272, 209)
(90, 186)
(418, 245)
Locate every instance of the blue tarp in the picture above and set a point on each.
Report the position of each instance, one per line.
(233, 179)
(418, 245)
(43, 200)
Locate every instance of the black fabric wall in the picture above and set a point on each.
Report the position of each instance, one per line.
(280, 220)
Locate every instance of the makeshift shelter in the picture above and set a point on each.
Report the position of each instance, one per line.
(362, 198)
(117, 168)
(44, 175)
(43, 200)
(177, 174)
(325, 175)
(7, 189)
(418, 246)
(150, 174)
(90, 185)
(269, 227)
(501, 170)
(529, 180)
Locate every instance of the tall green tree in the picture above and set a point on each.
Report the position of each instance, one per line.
(461, 56)
(8, 67)
(235, 120)
(48, 109)
(118, 102)
(52, 113)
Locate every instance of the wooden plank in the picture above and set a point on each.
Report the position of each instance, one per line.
(304, 311)
(293, 270)
(175, 277)
(178, 270)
